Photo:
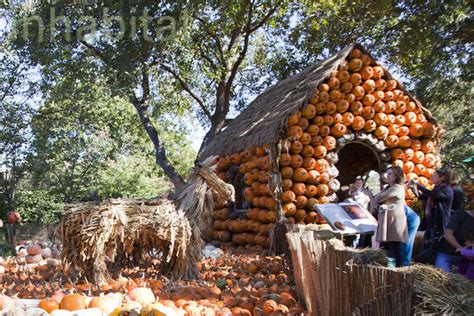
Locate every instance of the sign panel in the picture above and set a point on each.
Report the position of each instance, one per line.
(348, 218)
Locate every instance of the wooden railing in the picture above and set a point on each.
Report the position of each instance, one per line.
(329, 284)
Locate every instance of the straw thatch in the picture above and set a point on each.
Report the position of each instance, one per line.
(94, 232)
(263, 121)
(440, 293)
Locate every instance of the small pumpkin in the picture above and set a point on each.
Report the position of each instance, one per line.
(355, 79)
(358, 123)
(308, 111)
(338, 130)
(370, 126)
(296, 161)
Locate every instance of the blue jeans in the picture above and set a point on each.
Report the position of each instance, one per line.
(413, 222)
(446, 261)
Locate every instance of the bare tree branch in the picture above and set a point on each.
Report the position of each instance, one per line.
(186, 87)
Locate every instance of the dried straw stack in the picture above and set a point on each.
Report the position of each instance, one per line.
(95, 231)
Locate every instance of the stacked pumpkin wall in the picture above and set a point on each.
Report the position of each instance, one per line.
(358, 99)
(252, 225)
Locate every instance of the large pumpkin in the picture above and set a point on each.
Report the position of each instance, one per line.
(73, 302)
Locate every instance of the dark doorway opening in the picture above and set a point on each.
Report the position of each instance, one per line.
(356, 159)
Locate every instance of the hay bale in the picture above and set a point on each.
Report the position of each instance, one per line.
(441, 293)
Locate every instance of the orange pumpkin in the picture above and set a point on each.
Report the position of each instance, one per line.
(308, 111)
(334, 95)
(410, 118)
(369, 86)
(307, 151)
(415, 144)
(331, 108)
(358, 92)
(411, 106)
(323, 200)
(324, 178)
(318, 121)
(404, 141)
(408, 166)
(296, 161)
(305, 139)
(342, 106)
(337, 117)
(356, 53)
(330, 142)
(416, 130)
(347, 118)
(300, 174)
(300, 216)
(429, 161)
(323, 87)
(355, 64)
(400, 107)
(404, 131)
(338, 130)
(324, 130)
(343, 75)
(313, 177)
(73, 302)
(366, 72)
(355, 79)
(334, 83)
(391, 141)
(391, 84)
(303, 123)
(408, 154)
(346, 87)
(381, 132)
(294, 119)
(378, 72)
(286, 184)
(366, 60)
(390, 106)
(301, 201)
(328, 119)
(381, 85)
(288, 196)
(316, 140)
(399, 120)
(312, 130)
(312, 218)
(285, 160)
(396, 153)
(358, 123)
(419, 168)
(289, 209)
(418, 157)
(427, 145)
(296, 147)
(323, 189)
(311, 190)
(379, 106)
(429, 130)
(321, 165)
(320, 151)
(380, 118)
(309, 163)
(48, 304)
(368, 100)
(388, 96)
(393, 129)
(370, 126)
(295, 131)
(287, 172)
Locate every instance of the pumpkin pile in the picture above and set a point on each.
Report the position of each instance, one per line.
(240, 282)
(358, 98)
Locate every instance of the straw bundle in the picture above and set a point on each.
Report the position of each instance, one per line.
(441, 293)
(94, 232)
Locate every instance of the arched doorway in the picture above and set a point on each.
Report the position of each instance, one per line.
(359, 159)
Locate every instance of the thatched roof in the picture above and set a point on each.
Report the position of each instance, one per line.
(265, 119)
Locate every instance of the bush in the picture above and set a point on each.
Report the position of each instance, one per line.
(38, 206)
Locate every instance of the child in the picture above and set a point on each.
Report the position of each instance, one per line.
(466, 266)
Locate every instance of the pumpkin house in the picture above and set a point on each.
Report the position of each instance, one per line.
(301, 139)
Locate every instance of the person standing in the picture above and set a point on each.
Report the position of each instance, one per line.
(364, 197)
(458, 195)
(392, 229)
(438, 205)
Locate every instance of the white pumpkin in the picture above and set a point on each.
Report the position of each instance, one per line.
(36, 311)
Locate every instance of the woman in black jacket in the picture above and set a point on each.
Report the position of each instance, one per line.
(438, 207)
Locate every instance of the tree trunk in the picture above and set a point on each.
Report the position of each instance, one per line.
(160, 152)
